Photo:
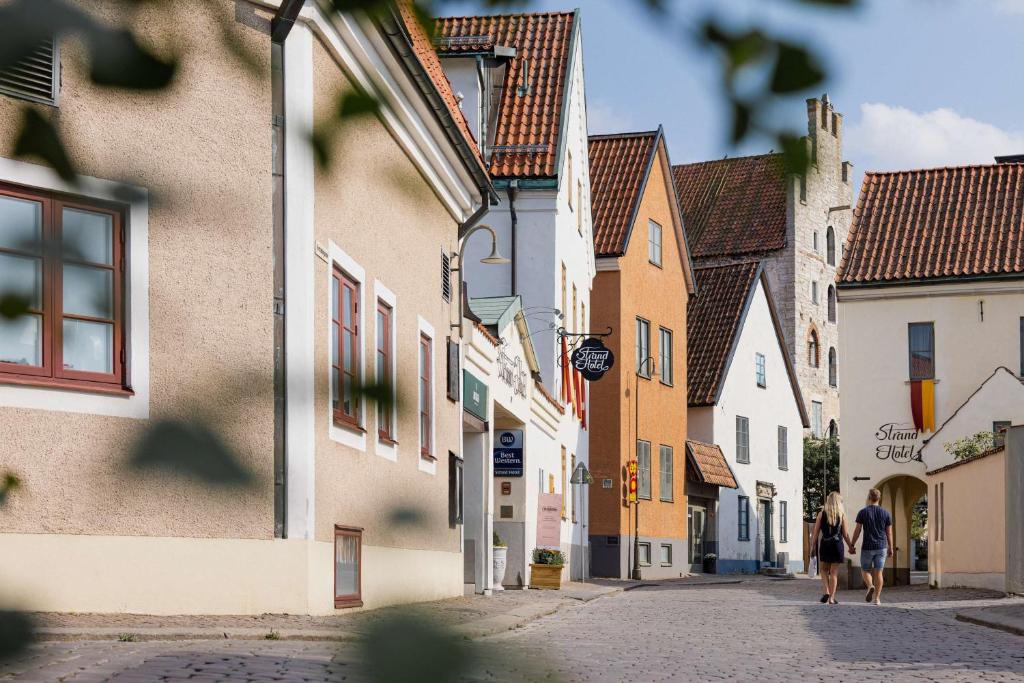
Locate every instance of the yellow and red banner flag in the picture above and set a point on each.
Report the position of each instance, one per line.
(922, 404)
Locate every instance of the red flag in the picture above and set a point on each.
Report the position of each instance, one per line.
(576, 392)
(916, 405)
(583, 402)
(565, 372)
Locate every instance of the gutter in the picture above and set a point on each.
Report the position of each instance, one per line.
(280, 27)
(512, 191)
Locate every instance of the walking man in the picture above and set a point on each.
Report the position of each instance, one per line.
(876, 523)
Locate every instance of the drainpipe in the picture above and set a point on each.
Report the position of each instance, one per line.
(485, 93)
(280, 26)
(513, 190)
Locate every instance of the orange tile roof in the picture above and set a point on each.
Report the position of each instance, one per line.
(712, 321)
(710, 464)
(425, 53)
(528, 125)
(618, 171)
(733, 206)
(937, 223)
(964, 461)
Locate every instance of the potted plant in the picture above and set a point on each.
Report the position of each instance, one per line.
(710, 563)
(546, 569)
(500, 560)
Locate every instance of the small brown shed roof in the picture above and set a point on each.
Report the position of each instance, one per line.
(710, 464)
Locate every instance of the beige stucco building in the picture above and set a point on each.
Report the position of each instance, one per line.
(185, 402)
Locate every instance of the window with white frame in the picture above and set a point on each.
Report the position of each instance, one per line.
(743, 518)
(345, 346)
(742, 439)
(654, 243)
(759, 370)
(645, 554)
(665, 355)
(426, 395)
(666, 474)
(666, 554)
(783, 437)
(643, 347)
(643, 464)
(783, 521)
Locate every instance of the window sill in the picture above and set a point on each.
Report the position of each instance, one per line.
(667, 384)
(68, 385)
(762, 386)
(427, 456)
(343, 603)
(351, 426)
(784, 469)
(387, 440)
(667, 500)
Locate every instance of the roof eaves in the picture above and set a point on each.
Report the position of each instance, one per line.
(643, 187)
(965, 461)
(563, 123)
(737, 328)
(790, 368)
(677, 212)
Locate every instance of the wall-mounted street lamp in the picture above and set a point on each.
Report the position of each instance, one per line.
(495, 259)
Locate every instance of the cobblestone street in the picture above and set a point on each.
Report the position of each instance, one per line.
(756, 630)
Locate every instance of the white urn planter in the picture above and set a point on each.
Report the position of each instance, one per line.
(500, 559)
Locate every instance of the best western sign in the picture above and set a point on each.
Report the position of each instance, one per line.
(508, 453)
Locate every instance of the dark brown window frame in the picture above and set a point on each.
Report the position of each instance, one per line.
(52, 372)
(386, 426)
(426, 409)
(342, 279)
(353, 599)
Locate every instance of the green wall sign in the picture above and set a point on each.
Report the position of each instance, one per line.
(474, 395)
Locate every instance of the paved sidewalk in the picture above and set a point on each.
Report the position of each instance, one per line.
(1009, 618)
(473, 616)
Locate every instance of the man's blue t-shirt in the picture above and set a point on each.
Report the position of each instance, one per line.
(874, 519)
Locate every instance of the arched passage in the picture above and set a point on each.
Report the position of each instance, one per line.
(900, 495)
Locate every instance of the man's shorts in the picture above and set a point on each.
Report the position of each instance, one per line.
(872, 559)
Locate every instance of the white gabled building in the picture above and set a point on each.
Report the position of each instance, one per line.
(744, 397)
(520, 80)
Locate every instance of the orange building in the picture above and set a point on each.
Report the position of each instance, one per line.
(638, 408)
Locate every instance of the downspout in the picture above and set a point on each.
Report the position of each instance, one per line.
(485, 94)
(280, 26)
(513, 190)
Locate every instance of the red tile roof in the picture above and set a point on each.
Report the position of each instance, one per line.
(937, 223)
(733, 206)
(543, 43)
(427, 57)
(958, 463)
(710, 464)
(618, 172)
(712, 320)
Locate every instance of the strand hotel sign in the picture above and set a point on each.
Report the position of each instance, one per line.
(900, 443)
(592, 359)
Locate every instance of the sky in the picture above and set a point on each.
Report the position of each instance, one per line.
(920, 83)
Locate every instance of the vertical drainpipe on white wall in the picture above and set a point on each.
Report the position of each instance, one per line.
(299, 283)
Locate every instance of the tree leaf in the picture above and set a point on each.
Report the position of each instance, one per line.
(27, 23)
(38, 138)
(17, 632)
(117, 60)
(189, 449)
(403, 648)
(13, 305)
(8, 485)
(740, 120)
(356, 104)
(795, 69)
(794, 153)
(831, 3)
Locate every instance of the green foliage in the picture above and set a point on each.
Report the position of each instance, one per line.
(17, 632)
(8, 484)
(272, 635)
(127, 638)
(497, 542)
(407, 648)
(548, 556)
(821, 473)
(970, 446)
(919, 520)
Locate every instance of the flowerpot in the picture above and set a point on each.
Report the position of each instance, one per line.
(546, 576)
(500, 560)
(710, 565)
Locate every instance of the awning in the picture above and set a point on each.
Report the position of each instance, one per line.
(709, 464)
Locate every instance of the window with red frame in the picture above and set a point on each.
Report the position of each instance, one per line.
(63, 259)
(348, 566)
(426, 393)
(385, 318)
(345, 347)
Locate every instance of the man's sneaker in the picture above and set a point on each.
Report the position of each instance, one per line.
(870, 595)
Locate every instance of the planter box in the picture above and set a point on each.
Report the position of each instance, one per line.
(546, 576)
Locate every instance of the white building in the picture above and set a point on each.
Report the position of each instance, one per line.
(520, 78)
(931, 304)
(744, 397)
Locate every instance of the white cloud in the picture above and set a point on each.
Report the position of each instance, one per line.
(893, 138)
(1009, 6)
(604, 117)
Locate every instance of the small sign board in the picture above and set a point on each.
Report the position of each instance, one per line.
(508, 453)
(592, 359)
(581, 475)
(549, 520)
(474, 394)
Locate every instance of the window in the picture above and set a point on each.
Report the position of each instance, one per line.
(783, 521)
(36, 77)
(643, 474)
(831, 295)
(743, 520)
(654, 243)
(830, 246)
(816, 418)
(446, 277)
(643, 347)
(783, 435)
(814, 241)
(813, 349)
(814, 292)
(72, 334)
(999, 432)
(666, 472)
(348, 570)
(645, 554)
(579, 202)
(742, 439)
(833, 377)
(803, 188)
(385, 380)
(564, 478)
(426, 397)
(569, 183)
(759, 370)
(833, 430)
(666, 554)
(345, 347)
(922, 350)
(665, 355)
(456, 495)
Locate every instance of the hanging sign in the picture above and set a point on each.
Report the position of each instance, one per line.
(631, 469)
(508, 453)
(592, 359)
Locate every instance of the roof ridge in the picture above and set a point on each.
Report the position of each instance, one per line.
(508, 15)
(1009, 164)
(744, 262)
(727, 158)
(619, 136)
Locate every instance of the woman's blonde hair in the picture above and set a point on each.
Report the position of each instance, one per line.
(834, 508)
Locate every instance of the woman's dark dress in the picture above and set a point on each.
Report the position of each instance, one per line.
(830, 547)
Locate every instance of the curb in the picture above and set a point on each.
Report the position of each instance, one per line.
(989, 623)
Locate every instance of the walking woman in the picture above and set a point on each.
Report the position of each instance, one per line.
(831, 525)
